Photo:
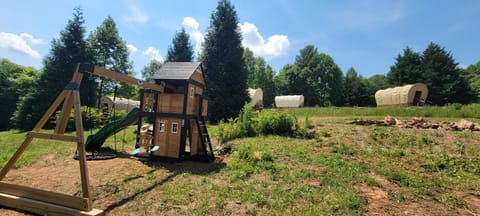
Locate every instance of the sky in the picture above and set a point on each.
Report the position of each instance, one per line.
(364, 34)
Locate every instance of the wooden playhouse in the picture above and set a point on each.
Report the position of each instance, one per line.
(178, 113)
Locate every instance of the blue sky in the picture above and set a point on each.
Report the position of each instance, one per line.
(364, 34)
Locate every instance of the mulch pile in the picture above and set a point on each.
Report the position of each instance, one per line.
(419, 122)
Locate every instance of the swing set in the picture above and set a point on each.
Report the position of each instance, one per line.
(176, 104)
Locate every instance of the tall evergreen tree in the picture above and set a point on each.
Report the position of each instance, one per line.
(224, 67)
(407, 69)
(442, 76)
(181, 49)
(110, 50)
(58, 69)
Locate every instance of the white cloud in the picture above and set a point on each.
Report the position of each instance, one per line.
(276, 45)
(192, 28)
(153, 53)
(131, 48)
(31, 39)
(19, 43)
(136, 16)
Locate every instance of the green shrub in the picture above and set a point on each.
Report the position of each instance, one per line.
(275, 123)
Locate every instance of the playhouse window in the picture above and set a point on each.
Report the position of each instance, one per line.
(192, 91)
(174, 127)
(161, 126)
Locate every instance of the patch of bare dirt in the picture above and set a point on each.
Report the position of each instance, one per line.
(381, 201)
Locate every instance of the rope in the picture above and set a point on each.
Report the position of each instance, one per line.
(114, 117)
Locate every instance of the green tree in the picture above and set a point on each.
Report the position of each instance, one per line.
(260, 75)
(472, 74)
(408, 68)
(15, 82)
(442, 76)
(225, 71)
(316, 76)
(332, 84)
(306, 78)
(249, 60)
(110, 51)
(355, 89)
(269, 88)
(149, 70)
(58, 69)
(181, 49)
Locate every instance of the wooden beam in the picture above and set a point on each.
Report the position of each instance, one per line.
(43, 208)
(59, 137)
(15, 157)
(100, 71)
(44, 196)
(62, 121)
(82, 156)
(50, 111)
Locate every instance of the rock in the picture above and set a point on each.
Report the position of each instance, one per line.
(389, 121)
(464, 124)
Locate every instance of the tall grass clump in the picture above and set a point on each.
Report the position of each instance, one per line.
(268, 122)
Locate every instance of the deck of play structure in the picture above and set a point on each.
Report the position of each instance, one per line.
(175, 104)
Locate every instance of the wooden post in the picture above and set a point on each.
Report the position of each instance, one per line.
(62, 121)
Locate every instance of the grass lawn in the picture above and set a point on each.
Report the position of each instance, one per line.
(344, 170)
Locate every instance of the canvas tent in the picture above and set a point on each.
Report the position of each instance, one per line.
(289, 101)
(106, 103)
(407, 95)
(256, 98)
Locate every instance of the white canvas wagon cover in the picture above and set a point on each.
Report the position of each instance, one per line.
(407, 95)
(289, 101)
(256, 97)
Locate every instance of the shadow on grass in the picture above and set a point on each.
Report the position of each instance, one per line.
(191, 167)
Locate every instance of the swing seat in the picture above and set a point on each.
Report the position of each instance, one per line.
(154, 148)
(135, 152)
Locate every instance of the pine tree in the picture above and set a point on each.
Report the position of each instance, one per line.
(224, 67)
(58, 69)
(110, 50)
(442, 76)
(181, 49)
(407, 69)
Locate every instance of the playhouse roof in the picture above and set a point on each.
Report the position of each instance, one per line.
(177, 70)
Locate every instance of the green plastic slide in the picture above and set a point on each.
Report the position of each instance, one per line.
(95, 141)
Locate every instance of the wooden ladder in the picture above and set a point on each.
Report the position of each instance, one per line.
(204, 137)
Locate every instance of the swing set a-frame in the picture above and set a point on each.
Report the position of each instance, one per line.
(53, 203)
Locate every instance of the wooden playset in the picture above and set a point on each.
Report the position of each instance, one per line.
(174, 103)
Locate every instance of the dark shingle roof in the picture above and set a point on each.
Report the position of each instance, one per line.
(176, 70)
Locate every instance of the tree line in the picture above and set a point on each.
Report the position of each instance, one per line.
(229, 70)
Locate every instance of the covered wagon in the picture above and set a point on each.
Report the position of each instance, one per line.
(256, 98)
(289, 101)
(107, 104)
(407, 95)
